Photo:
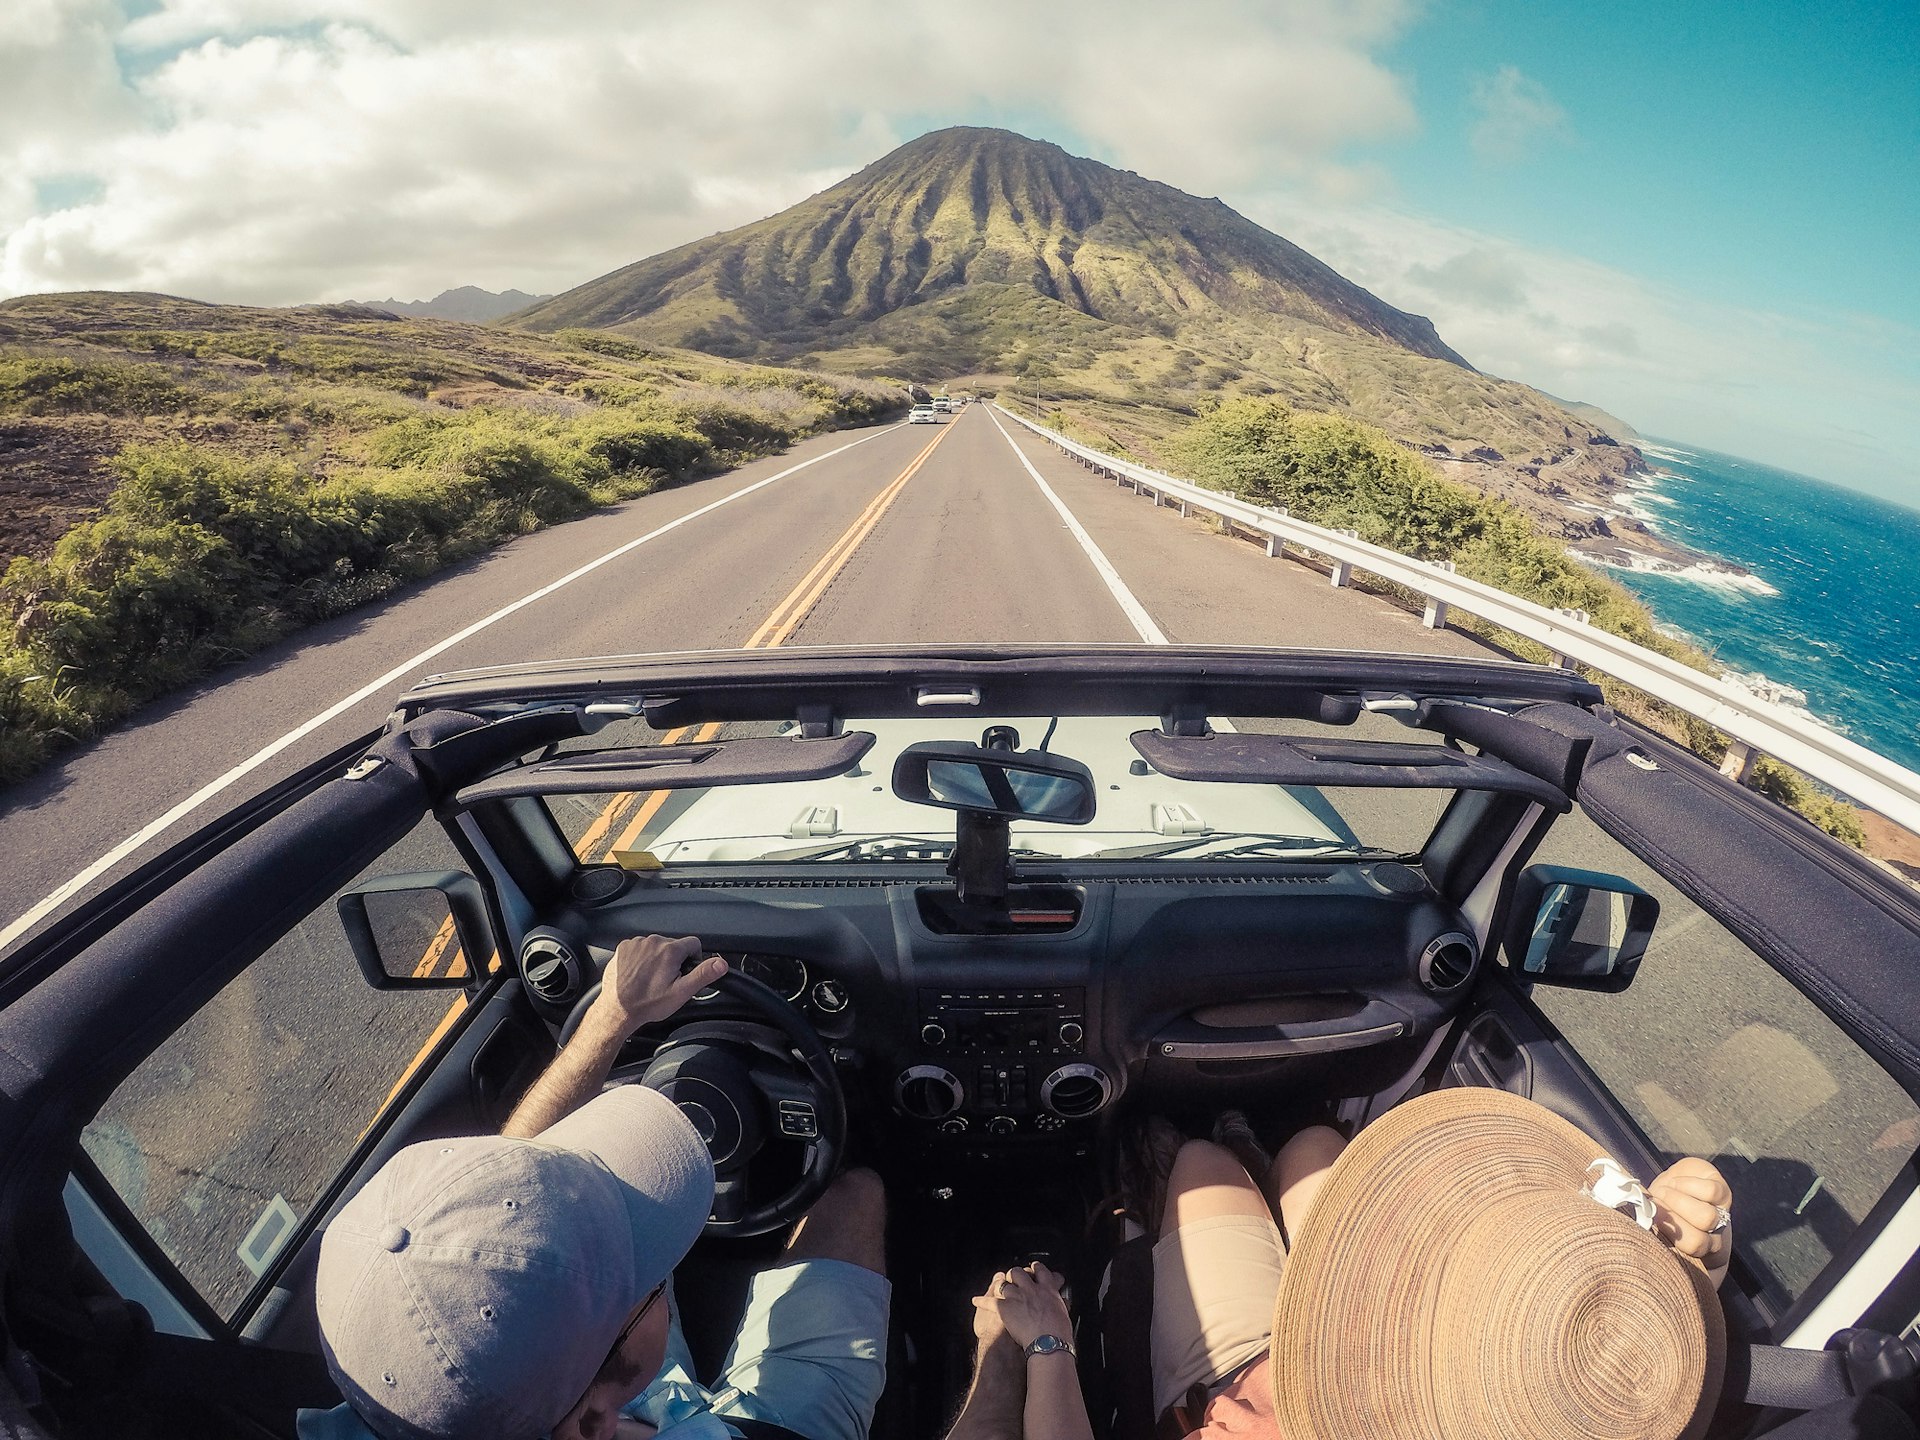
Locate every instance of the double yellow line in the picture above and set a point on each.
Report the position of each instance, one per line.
(787, 617)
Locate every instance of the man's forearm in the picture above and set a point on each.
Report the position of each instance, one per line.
(997, 1397)
(1055, 1408)
(574, 1077)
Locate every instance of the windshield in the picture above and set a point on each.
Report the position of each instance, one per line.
(1140, 813)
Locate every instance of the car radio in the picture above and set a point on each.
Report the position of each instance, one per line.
(1003, 1022)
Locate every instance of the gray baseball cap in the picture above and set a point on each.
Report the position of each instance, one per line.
(473, 1287)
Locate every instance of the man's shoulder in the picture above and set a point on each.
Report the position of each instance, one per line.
(340, 1423)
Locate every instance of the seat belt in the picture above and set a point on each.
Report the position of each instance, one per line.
(1855, 1362)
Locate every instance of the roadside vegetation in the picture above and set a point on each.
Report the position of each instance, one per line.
(189, 483)
(1336, 472)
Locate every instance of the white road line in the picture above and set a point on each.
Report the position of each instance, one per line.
(260, 757)
(1135, 611)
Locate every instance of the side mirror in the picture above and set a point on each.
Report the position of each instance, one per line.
(1007, 784)
(1579, 928)
(418, 932)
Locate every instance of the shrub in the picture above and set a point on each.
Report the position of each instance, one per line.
(1339, 473)
(32, 386)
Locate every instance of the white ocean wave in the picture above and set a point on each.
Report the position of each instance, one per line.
(1665, 452)
(1788, 697)
(1706, 572)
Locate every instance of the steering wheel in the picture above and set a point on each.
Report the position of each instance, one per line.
(743, 1083)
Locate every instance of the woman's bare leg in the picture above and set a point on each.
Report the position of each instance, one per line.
(1298, 1172)
(1207, 1182)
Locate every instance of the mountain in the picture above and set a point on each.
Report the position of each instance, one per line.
(982, 256)
(469, 303)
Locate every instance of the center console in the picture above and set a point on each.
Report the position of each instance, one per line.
(1002, 1062)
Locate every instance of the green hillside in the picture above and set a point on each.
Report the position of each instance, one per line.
(184, 483)
(983, 257)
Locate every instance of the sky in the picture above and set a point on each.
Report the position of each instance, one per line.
(1701, 217)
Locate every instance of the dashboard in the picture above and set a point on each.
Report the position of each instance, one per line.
(1182, 987)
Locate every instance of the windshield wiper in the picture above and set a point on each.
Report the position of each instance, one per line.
(1291, 846)
(887, 847)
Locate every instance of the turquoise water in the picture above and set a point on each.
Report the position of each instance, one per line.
(1832, 607)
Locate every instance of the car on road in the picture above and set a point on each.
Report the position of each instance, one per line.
(923, 415)
(990, 910)
(943, 404)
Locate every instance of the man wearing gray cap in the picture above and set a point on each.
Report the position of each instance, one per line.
(517, 1286)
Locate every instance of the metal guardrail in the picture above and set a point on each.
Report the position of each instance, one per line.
(1756, 726)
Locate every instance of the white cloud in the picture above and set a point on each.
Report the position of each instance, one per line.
(1828, 394)
(1516, 116)
(286, 150)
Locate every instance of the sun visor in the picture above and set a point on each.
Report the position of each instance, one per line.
(1552, 756)
(755, 760)
(1244, 758)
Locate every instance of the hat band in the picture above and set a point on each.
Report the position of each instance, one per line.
(1614, 1188)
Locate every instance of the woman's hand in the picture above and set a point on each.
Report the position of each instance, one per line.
(1029, 1303)
(1689, 1197)
(643, 982)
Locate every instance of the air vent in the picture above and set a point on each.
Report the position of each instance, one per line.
(552, 970)
(1447, 962)
(1075, 1091)
(928, 1092)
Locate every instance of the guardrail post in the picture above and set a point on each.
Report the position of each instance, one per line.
(1184, 511)
(1737, 763)
(1276, 542)
(1436, 616)
(1579, 617)
(1343, 569)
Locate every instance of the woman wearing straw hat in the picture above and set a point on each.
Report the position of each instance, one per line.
(1470, 1266)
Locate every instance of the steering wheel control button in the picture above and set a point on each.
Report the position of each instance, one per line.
(798, 1121)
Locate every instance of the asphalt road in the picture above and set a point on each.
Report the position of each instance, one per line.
(928, 534)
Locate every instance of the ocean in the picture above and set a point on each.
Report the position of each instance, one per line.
(1828, 620)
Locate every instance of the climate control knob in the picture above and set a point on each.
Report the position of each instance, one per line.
(954, 1125)
(1071, 1032)
(933, 1036)
(1002, 1125)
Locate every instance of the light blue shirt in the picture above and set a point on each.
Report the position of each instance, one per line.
(677, 1405)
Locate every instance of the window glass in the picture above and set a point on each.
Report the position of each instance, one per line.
(1138, 812)
(228, 1133)
(1715, 1053)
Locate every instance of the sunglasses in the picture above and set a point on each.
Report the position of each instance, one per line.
(653, 1298)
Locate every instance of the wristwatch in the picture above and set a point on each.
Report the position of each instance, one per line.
(1049, 1345)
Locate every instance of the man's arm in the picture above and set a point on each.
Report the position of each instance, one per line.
(997, 1398)
(642, 984)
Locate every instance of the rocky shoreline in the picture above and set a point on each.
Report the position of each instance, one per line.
(1583, 497)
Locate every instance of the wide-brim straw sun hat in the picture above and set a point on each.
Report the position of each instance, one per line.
(1455, 1279)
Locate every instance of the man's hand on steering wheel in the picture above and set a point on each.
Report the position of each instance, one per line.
(643, 983)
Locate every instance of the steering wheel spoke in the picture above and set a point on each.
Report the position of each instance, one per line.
(743, 1082)
(729, 1202)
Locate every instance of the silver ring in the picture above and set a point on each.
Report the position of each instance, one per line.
(1724, 1222)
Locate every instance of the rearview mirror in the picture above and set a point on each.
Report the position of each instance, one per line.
(418, 932)
(1008, 784)
(1580, 929)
